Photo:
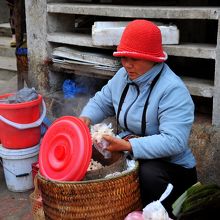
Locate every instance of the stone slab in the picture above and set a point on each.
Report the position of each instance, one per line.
(5, 49)
(8, 63)
(5, 29)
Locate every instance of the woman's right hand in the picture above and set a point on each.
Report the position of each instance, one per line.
(86, 120)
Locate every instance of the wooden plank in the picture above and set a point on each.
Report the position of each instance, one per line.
(166, 12)
(197, 87)
(206, 51)
(82, 70)
(70, 38)
(216, 98)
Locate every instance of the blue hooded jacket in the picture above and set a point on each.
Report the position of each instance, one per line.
(169, 116)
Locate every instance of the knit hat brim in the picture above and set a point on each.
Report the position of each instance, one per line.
(137, 55)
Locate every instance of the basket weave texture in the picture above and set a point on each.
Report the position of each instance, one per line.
(36, 203)
(102, 199)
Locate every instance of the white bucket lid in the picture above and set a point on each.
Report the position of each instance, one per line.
(19, 154)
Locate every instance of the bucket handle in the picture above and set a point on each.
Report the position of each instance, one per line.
(26, 126)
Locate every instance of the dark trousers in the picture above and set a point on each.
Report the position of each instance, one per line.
(156, 174)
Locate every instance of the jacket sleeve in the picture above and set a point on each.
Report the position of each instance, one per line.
(100, 106)
(175, 116)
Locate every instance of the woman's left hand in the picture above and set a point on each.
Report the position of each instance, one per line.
(117, 144)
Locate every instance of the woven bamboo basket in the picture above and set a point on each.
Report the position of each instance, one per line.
(36, 203)
(95, 199)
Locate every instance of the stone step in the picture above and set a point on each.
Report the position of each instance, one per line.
(8, 86)
(8, 63)
(7, 74)
(8, 67)
(5, 29)
(5, 49)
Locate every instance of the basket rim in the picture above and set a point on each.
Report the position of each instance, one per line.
(91, 181)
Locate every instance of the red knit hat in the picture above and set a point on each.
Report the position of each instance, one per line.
(141, 39)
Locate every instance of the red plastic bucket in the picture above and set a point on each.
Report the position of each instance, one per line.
(25, 113)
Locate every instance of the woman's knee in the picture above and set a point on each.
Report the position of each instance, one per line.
(152, 177)
(151, 170)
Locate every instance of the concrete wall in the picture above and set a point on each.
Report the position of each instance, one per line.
(205, 144)
(37, 43)
(4, 12)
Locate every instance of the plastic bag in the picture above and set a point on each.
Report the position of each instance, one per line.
(136, 215)
(101, 147)
(71, 89)
(23, 95)
(155, 209)
(97, 132)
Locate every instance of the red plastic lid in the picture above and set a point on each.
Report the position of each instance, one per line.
(66, 150)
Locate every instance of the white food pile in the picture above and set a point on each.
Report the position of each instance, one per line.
(94, 165)
(98, 130)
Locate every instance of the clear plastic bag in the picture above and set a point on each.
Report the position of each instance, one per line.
(135, 215)
(101, 147)
(23, 95)
(155, 209)
(97, 132)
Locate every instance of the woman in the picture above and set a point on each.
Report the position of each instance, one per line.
(154, 110)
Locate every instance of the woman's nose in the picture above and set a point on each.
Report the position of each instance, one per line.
(127, 63)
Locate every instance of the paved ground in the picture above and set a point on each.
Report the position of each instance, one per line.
(13, 206)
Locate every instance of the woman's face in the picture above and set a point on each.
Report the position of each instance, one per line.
(136, 67)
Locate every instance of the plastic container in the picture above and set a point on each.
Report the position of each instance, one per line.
(99, 197)
(17, 165)
(20, 123)
(67, 145)
(108, 33)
